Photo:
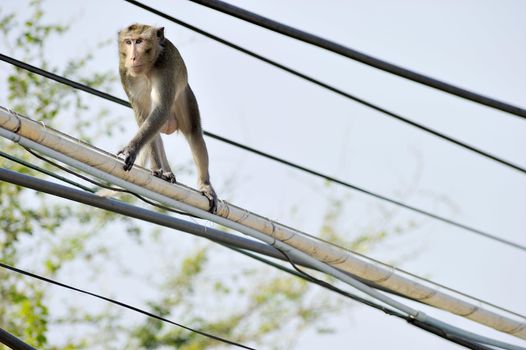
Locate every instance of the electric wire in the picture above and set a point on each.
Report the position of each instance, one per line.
(436, 284)
(304, 275)
(493, 320)
(332, 88)
(121, 304)
(353, 54)
(271, 157)
(40, 185)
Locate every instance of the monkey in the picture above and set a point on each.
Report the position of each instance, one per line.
(155, 79)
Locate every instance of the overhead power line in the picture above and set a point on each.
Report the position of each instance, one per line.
(112, 98)
(326, 257)
(218, 237)
(122, 304)
(334, 89)
(212, 234)
(353, 54)
(231, 241)
(239, 244)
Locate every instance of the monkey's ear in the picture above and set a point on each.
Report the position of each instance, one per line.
(160, 34)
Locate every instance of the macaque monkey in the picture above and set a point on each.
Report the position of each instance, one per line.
(155, 79)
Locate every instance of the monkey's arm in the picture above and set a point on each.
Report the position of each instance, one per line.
(162, 93)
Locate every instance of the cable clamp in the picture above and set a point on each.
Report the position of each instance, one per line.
(17, 116)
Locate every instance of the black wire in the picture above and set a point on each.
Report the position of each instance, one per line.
(116, 302)
(332, 88)
(108, 187)
(65, 81)
(266, 155)
(323, 43)
(300, 273)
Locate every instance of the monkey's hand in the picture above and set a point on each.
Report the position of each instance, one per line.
(129, 153)
(209, 193)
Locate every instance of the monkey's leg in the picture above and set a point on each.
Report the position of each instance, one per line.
(200, 155)
(194, 135)
(159, 163)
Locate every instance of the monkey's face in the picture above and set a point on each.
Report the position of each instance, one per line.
(139, 47)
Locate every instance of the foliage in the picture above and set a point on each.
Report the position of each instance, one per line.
(23, 306)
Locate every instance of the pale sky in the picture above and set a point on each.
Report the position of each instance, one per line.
(478, 45)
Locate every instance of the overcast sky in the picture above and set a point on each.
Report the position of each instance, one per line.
(478, 45)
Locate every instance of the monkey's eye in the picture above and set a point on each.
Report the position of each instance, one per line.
(138, 41)
(128, 42)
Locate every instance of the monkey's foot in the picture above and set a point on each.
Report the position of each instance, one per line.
(129, 157)
(165, 175)
(209, 193)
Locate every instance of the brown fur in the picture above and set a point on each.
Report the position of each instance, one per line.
(155, 79)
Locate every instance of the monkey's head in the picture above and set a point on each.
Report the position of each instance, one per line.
(139, 47)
